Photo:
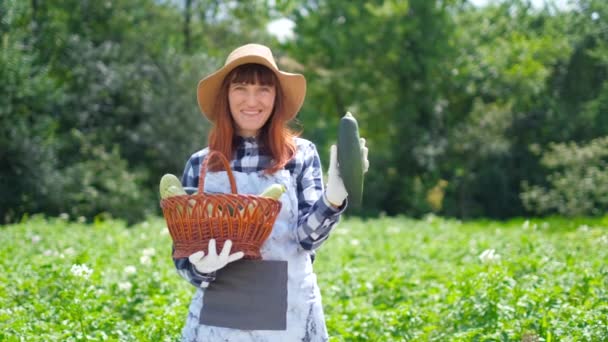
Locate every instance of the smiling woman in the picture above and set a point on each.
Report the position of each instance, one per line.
(251, 97)
(249, 102)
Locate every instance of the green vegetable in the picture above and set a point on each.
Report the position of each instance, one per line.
(274, 191)
(350, 160)
(170, 186)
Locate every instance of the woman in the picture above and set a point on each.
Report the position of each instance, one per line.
(249, 101)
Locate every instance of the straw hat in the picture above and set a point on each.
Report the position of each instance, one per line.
(293, 85)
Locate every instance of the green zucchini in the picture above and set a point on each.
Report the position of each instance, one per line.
(350, 160)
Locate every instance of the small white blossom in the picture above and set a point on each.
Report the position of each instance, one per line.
(489, 256)
(604, 239)
(130, 269)
(81, 271)
(82, 219)
(36, 238)
(64, 216)
(125, 286)
(595, 16)
(583, 228)
(393, 230)
(354, 242)
(430, 218)
(145, 224)
(145, 260)
(164, 231)
(148, 252)
(527, 225)
(69, 251)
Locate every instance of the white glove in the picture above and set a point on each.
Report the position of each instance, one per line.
(213, 262)
(335, 191)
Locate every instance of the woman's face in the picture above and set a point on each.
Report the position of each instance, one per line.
(250, 106)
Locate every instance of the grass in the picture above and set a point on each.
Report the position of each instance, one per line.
(387, 279)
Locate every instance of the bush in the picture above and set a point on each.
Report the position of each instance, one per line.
(101, 183)
(28, 144)
(578, 184)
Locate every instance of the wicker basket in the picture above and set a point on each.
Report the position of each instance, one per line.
(193, 220)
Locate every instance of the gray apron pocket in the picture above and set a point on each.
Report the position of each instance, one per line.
(247, 295)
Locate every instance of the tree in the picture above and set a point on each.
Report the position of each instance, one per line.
(383, 61)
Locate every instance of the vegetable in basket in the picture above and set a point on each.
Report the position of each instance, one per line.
(274, 191)
(171, 186)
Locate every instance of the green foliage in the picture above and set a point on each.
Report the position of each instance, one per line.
(102, 99)
(28, 142)
(89, 282)
(411, 280)
(389, 77)
(578, 184)
(102, 184)
(444, 92)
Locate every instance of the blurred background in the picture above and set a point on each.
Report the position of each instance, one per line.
(471, 109)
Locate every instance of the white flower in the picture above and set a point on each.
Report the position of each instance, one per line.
(69, 251)
(526, 225)
(164, 231)
(81, 271)
(64, 216)
(354, 242)
(82, 219)
(36, 238)
(393, 230)
(604, 239)
(148, 252)
(125, 286)
(489, 256)
(595, 16)
(145, 224)
(583, 228)
(145, 260)
(130, 269)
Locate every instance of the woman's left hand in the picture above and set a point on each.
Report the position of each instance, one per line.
(336, 192)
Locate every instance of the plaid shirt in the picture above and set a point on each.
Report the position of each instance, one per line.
(316, 217)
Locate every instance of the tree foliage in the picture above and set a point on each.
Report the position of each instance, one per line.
(461, 105)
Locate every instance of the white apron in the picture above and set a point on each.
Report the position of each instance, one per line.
(305, 319)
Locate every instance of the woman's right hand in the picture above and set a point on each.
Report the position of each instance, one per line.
(212, 261)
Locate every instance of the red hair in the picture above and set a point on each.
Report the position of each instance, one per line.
(275, 137)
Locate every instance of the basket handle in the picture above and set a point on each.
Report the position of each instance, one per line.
(203, 171)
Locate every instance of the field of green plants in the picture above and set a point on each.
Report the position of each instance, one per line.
(388, 279)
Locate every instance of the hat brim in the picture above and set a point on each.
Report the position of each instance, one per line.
(292, 85)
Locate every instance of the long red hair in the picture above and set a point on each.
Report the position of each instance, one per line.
(275, 137)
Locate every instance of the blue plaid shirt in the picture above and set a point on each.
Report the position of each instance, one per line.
(316, 217)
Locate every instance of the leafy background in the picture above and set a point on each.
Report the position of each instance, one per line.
(463, 106)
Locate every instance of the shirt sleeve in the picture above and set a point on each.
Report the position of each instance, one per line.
(316, 216)
(184, 267)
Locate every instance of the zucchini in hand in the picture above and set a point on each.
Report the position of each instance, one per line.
(350, 160)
